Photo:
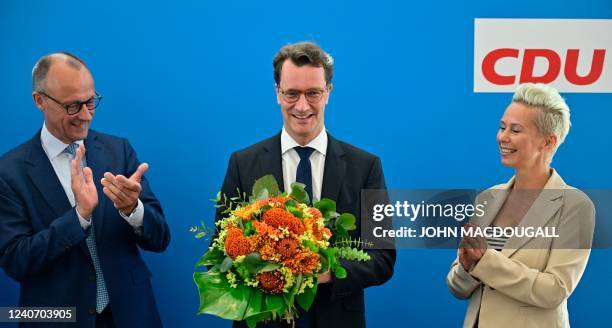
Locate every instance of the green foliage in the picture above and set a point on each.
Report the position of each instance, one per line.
(212, 257)
(297, 213)
(340, 272)
(346, 221)
(326, 206)
(265, 186)
(352, 254)
(254, 264)
(305, 299)
(298, 192)
(249, 229)
(226, 264)
(241, 303)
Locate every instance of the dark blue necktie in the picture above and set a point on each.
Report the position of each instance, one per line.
(304, 170)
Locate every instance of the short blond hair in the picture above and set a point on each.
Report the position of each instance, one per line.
(553, 112)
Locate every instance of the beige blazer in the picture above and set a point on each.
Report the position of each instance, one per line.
(527, 284)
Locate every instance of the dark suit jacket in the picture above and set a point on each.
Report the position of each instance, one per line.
(42, 244)
(347, 171)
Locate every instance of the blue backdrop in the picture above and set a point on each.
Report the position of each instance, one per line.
(188, 83)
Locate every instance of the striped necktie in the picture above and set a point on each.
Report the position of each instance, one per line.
(102, 299)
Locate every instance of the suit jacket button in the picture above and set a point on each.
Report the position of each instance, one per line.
(92, 311)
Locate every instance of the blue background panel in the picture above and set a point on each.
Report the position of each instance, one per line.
(188, 82)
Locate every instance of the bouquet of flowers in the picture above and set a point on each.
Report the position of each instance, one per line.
(268, 251)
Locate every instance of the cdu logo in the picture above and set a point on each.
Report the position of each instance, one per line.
(572, 55)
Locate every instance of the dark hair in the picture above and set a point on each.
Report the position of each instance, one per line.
(304, 53)
(42, 66)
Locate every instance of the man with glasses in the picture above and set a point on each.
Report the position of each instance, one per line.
(304, 152)
(71, 219)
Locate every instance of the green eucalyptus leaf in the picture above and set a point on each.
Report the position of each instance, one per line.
(326, 206)
(299, 193)
(262, 194)
(253, 262)
(346, 221)
(268, 266)
(297, 213)
(340, 271)
(268, 183)
(339, 233)
(226, 264)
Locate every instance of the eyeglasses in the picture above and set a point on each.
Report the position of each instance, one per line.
(292, 96)
(75, 107)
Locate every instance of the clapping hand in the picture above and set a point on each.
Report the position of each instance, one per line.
(471, 249)
(124, 192)
(82, 185)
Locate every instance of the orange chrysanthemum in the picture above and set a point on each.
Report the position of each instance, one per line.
(271, 282)
(315, 212)
(305, 261)
(268, 253)
(237, 244)
(312, 226)
(327, 233)
(287, 248)
(263, 229)
(245, 213)
(272, 199)
(278, 217)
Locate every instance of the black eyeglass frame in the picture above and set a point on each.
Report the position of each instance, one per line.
(75, 107)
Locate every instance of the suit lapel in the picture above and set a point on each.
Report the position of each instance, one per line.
(335, 169)
(96, 161)
(542, 210)
(43, 176)
(493, 199)
(45, 179)
(270, 161)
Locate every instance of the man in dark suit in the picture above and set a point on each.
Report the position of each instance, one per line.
(65, 244)
(330, 168)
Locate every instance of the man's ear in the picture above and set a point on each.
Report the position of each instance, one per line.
(329, 90)
(38, 100)
(278, 100)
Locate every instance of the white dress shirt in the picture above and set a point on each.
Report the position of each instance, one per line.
(291, 159)
(54, 148)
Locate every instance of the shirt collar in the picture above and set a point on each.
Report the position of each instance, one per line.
(319, 143)
(52, 145)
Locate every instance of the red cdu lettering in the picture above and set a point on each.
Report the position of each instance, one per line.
(571, 67)
(554, 66)
(488, 66)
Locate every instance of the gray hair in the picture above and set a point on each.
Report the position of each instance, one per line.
(42, 66)
(553, 113)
